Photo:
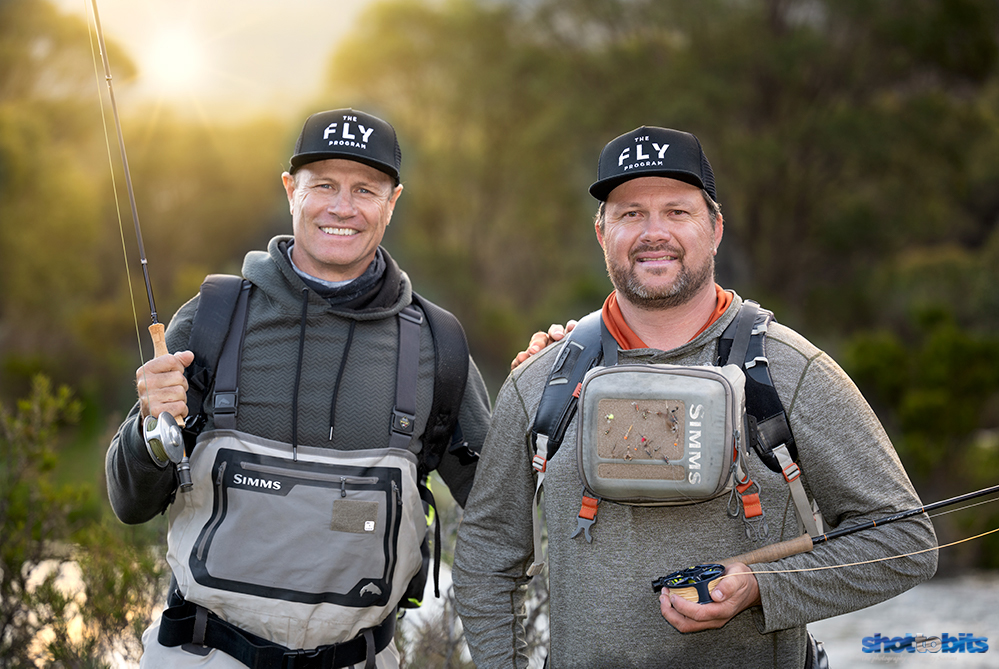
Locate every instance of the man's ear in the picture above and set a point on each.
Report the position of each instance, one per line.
(396, 192)
(719, 231)
(289, 187)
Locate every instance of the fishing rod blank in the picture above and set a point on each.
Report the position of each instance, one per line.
(162, 434)
(689, 583)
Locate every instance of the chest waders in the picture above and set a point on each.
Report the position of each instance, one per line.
(279, 547)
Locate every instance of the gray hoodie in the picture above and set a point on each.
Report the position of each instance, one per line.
(139, 490)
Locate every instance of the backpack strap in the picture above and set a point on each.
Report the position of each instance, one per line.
(407, 371)
(217, 303)
(442, 432)
(582, 350)
(225, 397)
(744, 342)
(450, 376)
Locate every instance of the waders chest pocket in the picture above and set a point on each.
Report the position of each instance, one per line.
(300, 531)
(660, 434)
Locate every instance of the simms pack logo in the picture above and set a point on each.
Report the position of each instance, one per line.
(917, 643)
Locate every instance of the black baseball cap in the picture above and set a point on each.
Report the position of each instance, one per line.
(650, 151)
(349, 134)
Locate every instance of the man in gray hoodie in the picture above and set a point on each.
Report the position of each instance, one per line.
(660, 227)
(303, 528)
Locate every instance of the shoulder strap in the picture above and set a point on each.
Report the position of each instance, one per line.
(450, 375)
(216, 307)
(744, 343)
(581, 351)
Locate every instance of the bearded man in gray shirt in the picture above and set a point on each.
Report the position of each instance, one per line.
(660, 227)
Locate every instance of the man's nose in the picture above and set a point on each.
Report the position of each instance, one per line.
(342, 204)
(657, 228)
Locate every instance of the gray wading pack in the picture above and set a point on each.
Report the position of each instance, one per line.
(636, 445)
(342, 575)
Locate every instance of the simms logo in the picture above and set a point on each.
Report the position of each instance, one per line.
(917, 643)
(694, 444)
(239, 479)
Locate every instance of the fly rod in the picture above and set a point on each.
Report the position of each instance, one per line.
(162, 434)
(696, 583)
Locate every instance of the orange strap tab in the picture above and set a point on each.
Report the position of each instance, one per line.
(751, 505)
(575, 393)
(589, 508)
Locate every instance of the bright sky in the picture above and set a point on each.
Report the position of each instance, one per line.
(236, 56)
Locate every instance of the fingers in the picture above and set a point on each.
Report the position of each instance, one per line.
(161, 385)
(538, 341)
(730, 597)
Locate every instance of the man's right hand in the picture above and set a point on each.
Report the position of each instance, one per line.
(162, 386)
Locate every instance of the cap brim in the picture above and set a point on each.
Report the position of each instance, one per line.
(602, 188)
(306, 158)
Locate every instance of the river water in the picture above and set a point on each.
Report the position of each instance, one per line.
(955, 606)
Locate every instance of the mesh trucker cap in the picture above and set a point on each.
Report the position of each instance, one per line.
(349, 134)
(652, 152)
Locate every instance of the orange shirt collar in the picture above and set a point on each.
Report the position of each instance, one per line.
(626, 337)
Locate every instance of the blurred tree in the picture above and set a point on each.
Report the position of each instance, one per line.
(842, 134)
(72, 591)
(48, 193)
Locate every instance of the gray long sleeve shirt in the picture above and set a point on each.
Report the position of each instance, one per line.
(603, 612)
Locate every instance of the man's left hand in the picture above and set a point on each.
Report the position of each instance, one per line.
(732, 595)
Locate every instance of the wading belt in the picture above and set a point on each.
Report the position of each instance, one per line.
(199, 630)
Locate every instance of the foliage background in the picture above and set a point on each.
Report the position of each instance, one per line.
(855, 145)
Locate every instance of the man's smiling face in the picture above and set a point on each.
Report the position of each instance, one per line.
(659, 242)
(339, 209)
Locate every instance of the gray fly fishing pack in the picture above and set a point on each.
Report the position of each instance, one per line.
(666, 435)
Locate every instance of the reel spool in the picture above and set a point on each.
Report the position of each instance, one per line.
(165, 443)
(693, 584)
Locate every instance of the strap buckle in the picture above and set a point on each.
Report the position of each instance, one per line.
(540, 464)
(791, 472)
(225, 402)
(291, 658)
(402, 422)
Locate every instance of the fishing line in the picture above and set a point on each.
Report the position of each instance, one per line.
(114, 182)
(944, 513)
(856, 564)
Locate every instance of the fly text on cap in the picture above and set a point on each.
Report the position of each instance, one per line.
(642, 159)
(347, 137)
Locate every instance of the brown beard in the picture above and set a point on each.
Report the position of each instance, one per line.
(687, 284)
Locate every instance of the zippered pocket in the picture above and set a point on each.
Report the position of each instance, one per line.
(300, 531)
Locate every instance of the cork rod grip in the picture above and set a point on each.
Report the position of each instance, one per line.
(158, 333)
(773, 552)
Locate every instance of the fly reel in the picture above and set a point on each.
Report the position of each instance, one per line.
(693, 584)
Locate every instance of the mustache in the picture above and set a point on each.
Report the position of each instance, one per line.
(655, 248)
